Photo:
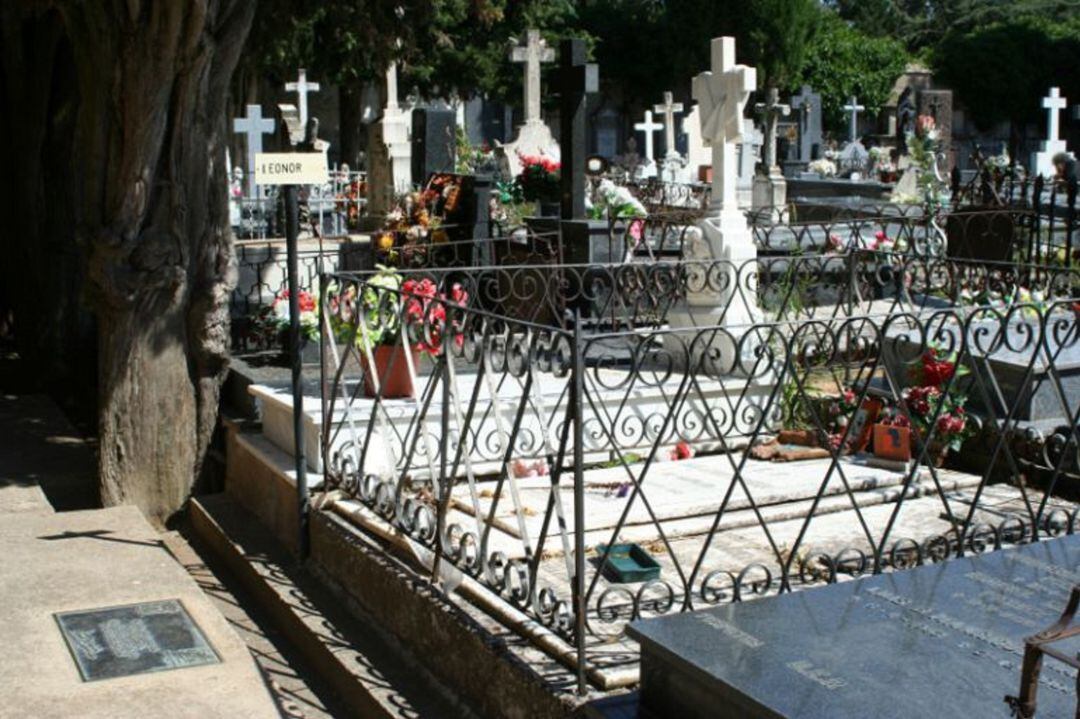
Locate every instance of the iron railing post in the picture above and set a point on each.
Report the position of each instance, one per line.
(292, 231)
(579, 505)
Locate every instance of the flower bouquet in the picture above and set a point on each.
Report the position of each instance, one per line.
(539, 178)
(271, 324)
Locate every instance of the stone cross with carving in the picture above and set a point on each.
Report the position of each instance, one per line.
(1053, 104)
(854, 108)
(770, 111)
(532, 53)
(668, 108)
(648, 126)
(302, 87)
(253, 126)
(722, 94)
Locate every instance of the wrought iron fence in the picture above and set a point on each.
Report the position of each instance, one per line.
(517, 450)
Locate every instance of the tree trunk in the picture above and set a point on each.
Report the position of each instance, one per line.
(148, 202)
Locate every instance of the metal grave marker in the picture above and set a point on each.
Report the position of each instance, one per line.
(134, 639)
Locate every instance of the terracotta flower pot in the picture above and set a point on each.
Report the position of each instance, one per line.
(392, 369)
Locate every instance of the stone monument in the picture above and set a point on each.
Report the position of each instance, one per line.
(253, 126)
(697, 149)
(673, 162)
(302, 87)
(807, 107)
(533, 137)
(853, 108)
(747, 152)
(770, 189)
(938, 104)
(1042, 162)
(723, 234)
(648, 126)
(390, 158)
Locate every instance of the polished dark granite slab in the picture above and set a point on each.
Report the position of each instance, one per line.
(943, 640)
(134, 639)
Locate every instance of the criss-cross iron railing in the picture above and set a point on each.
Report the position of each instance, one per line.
(538, 436)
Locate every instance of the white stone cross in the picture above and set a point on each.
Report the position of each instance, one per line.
(302, 87)
(1053, 103)
(668, 108)
(722, 95)
(854, 108)
(254, 126)
(532, 53)
(391, 88)
(648, 127)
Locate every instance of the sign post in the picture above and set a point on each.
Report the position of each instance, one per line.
(291, 169)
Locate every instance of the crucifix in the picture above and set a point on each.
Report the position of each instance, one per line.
(577, 79)
(1053, 103)
(302, 87)
(534, 52)
(854, 108)
(648, 127)
(253, 126)
(668, 108)
(771, 110)
(722, 95)
(808, 105)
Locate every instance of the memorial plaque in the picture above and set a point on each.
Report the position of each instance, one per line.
(943, 640)
(134, 639)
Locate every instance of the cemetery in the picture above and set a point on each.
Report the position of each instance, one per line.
(502, 377)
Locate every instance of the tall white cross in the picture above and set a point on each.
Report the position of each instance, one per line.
(254, 126)
(532, 53)
(648, 127)
(854, 108)
(722, 95)
(391, 87)
(668, 108)
(302, 87)
(1053, 103)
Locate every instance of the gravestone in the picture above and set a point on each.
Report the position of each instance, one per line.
(770, 189)
(938, 104)
(607, 133)
(942, 640)
(390, 165)
(673, 162)
(1042, 162)
(583, 240)
(434, 143)
(748, 152)
(697, 151)
(253, 126)
(134, 639)
(648, 126)
(853, 108)
(533, 137)
(807, 108)
(302, 87)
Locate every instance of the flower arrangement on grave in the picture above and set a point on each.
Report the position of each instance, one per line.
(539, 178)
(613, 202)
(271, 323)
(348, 202)
(838, 415)
(472, 159)
(823, 167)
(424, 307)
(881, 163)
(935, 413)
(413, 220)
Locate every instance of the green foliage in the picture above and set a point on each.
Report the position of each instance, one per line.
(779, 34)
(843, 62)
(1000, 71)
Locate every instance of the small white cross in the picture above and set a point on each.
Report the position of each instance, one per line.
(648, 127)
(1053, 103)
(302, 87)
(253, 126)
(668, 108)
(534, 52)
(854, 108)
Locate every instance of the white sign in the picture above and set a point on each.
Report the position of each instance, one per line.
(290, 168)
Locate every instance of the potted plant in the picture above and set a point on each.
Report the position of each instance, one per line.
(539, 183)
(400, 317)
(935, 414)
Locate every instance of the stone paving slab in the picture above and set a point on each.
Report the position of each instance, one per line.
(86, 560)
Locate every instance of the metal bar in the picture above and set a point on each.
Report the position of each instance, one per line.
(577, 369)
(292, 231)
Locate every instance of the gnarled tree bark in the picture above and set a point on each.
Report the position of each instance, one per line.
(149, 215)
